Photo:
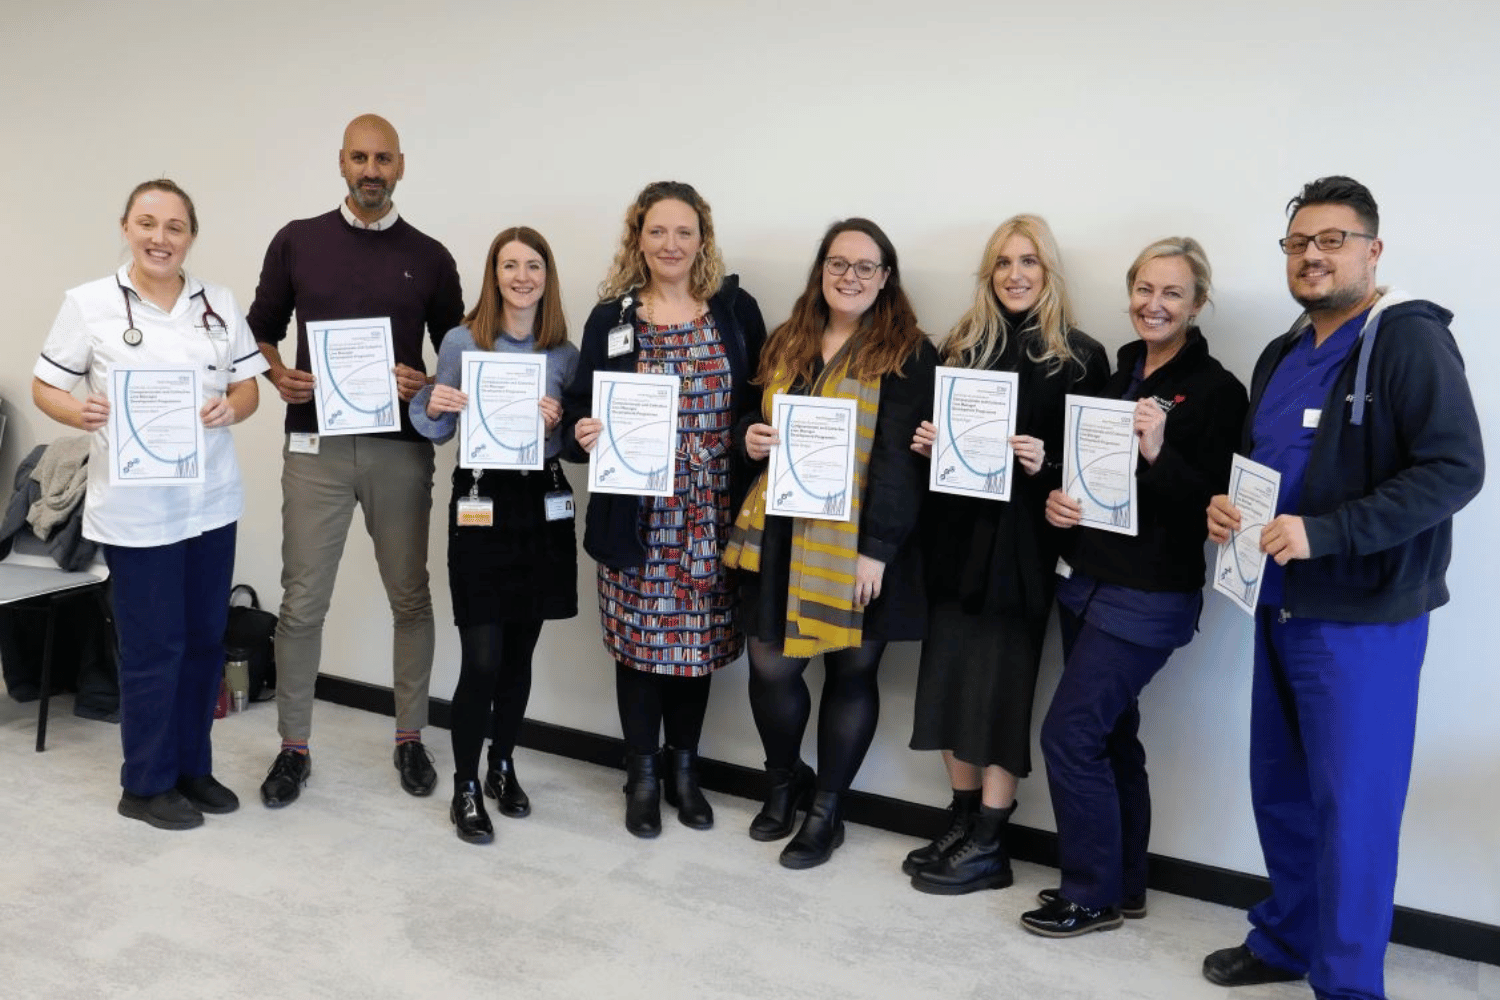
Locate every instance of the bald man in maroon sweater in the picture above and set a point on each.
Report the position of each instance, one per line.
(360, 261)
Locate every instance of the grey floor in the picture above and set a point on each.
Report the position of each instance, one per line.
(359, 890)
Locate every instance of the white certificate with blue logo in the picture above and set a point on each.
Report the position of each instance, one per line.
(155, 425)
(502, 426)
(975, 415)
(354, 365)
(811, 470)
(1238, 570)
(1099, 456)
(636, 451)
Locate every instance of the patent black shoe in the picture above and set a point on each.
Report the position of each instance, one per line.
(822, 831)
(961, 813)
(500, 784)
(207, 795)
(682, 792)
(170, 810)
(1239, 966)
(470, 821)
(414, 764)
(1131, 907)
(284, 782)
(1062, 919)
(642, 795)
(787, 791)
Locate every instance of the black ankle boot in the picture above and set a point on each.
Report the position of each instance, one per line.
(682, 790)
(822, 831)
(500, 784)
(961, 815)
(978, 862)
(470, 821)
(642, 795)
(788, 790)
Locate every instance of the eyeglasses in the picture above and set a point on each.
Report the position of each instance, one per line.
(1328, 239)
(864, 270)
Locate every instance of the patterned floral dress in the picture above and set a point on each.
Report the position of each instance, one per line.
(676, 614)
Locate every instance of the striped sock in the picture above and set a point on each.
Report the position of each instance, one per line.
(300, 746)
(408, 736)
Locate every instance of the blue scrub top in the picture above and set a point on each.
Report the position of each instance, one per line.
(1279, 435)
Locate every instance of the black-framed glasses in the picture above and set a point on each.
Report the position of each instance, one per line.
(864, 270)
(1328, 239)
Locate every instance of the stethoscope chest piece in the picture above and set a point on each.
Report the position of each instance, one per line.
(132, 336)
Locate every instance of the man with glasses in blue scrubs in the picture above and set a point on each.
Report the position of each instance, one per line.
(1364, 409)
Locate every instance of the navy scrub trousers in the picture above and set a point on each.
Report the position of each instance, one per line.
(171, 604)
(1332, 726)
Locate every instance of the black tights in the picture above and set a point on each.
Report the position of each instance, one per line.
(494, 672)
(651, 703)
(847, 714)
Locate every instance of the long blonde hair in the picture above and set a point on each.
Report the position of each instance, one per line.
(980, 335)
(629, 271)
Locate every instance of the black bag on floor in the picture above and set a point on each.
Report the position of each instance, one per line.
(252, 630)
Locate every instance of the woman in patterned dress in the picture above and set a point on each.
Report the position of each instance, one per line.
(668, 607)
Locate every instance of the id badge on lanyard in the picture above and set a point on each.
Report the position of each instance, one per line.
(559, 499)
(474, 511)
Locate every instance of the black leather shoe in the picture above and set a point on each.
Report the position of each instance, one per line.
(470, 820)
(1239, 966)
(961, 813)
(1131, 907)
(205, 793)
(681, 790)
(979, 861)
(288, 774)
(500, 784)
(786, 792)
(642, 795)
(169, 810)
(822, 831)
(1062, 919)
(414, 764)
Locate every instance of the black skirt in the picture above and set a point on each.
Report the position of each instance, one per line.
(522, 566)
(976, 685)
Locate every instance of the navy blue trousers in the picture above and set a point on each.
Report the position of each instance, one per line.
(1096, 766)
(1332, 726)
(171, 604)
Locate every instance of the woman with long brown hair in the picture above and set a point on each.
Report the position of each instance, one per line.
(514, 563)
(840, 589)
(667, 605)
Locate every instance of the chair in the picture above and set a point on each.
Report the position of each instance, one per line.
(28, 572)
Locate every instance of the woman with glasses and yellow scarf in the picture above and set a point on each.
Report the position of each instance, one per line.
(842, 589)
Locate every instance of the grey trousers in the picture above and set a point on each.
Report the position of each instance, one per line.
(391, 481)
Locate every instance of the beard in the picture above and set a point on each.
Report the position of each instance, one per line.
(1335, 299)
(370, 200)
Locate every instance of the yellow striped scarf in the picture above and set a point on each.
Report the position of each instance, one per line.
(821, 614)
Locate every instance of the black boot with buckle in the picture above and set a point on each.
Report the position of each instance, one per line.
(500, 784)
(470, 821)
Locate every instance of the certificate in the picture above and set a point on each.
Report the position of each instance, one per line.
(1253, 488)
(811, 471)
(636, 451)
(355, 368)
(1099, 456)
(502, 427)
(975, 415)
(155, 428)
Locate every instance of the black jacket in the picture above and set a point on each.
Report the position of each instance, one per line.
(1379, 495)
(1206, 409)
(612, 525)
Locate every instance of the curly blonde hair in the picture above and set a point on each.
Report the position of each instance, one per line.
(629, 271)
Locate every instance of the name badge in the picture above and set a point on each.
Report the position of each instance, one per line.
(475, 512)
(1310, 418)
(559, 506)
(303, 444)
(621, 340)
(1063, 569)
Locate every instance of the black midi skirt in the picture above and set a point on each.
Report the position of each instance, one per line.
(522, 566)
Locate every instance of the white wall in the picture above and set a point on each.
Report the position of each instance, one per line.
(1119, 122)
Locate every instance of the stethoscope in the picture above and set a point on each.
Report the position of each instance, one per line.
(133, 335)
